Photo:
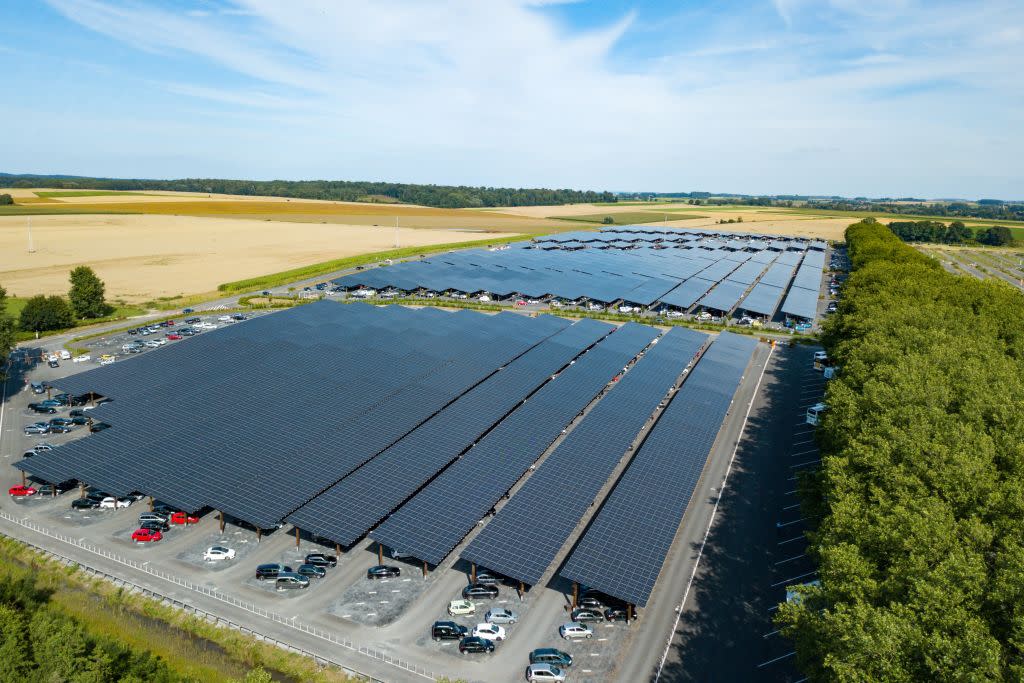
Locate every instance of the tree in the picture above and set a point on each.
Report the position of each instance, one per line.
(86, 294)
(15, 658)
(608, 220)
(6, 331)
(6, 200)
(42, 313)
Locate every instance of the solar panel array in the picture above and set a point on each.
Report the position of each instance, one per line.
(622, 552)
(638, 266)
(440, 516)
(802, 299)
(524, 538)
(347, 510)
(258, 418)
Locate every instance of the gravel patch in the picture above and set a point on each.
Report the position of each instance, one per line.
(379, 602)
(242, 541)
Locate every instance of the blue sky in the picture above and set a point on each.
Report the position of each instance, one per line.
(851, 97)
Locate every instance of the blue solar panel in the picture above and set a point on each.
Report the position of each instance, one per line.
(801, 303)
(437, 518)
(622, 552)
(686, 294)
(724, 296)
(347, 510)
(524, 538)
(763, 299)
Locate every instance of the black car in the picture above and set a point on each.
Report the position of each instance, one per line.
(84, 504)
(312, 571)
(28, 454)
(133, 331)
(479, 590)
(50, 489)
(322, 560)
(270, 571)
(487, 578)
(60, 429)
(550, 655)
(238, 316)
(475, 644)
(597, 600)
(155, 525)
(191, 321)
(383, 571)
(60, 422)
(98, 427)
(583, 614)
(617, 614)
(77, 412)
(79, 420)
(163, 509)
(53, 364)
(39, 408)
(447, 630)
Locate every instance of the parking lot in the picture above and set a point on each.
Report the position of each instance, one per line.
(392, 616)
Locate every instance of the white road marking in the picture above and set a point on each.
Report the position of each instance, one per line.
(790, 540)
(782, 524)
(809, 462)
(786, 582)
(770, 633)
(396, 590)
(777, 659)
(790, 507)
(790, 559)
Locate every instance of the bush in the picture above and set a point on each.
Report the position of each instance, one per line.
(44, 313)
(6, 200)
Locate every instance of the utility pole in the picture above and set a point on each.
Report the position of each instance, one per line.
(31, 247)
(396, 232)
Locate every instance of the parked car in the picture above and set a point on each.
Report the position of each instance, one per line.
(112, 503)
(550, 655)
(53, 363)
(500, 615)
(312, 571)
(98, 427)
(477, 590)
(447, 630)
(37, 428)
(173, 336)
(60, 429)
(183, 519)
(461, 607)
(271, 571)
(20, 491)
(146, 535)
(155, 525)
(40, 408)
(544, 672)
(191, 321)
(489, 631)
(575, 631)
(52, 489)
(152, 517)
(42, 447)
(52, 403)
(79, 421)
(586, 614)
(38, 388)
(476, 644)
(322, 560)
(383, 571)
(617, 614)
(84, 504)
(60, 422)
(487, 578)
(286, 580)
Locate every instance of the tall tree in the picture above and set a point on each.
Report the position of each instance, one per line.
(15, 658)
(86, 293)
(43, 313)
(6, 332)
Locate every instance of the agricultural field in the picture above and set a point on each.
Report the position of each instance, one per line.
(625, 217)
(1006, 265)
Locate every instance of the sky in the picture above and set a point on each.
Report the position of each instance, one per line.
(870, 98)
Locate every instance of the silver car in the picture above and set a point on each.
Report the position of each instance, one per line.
(500, 615)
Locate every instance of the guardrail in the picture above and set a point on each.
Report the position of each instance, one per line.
(290, 622)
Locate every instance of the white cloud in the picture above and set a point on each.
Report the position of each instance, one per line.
(498, 91)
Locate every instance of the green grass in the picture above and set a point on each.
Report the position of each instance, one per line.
(85, 193)
(626, 217)
(318, 269)
(15, 304)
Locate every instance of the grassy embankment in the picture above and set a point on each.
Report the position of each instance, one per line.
(193, 648)
(121, 312)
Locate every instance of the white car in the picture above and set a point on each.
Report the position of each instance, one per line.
(106, 360)
(65, 354)
(111, 503)
(489, 631)
(500, 615)
(457, 607)
(81, 359)
(628, 309)
(820, 356)
(544, 672)
(575, 630)
(225, 318)
(218, 552)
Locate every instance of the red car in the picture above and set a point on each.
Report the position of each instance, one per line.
(170, 323)
(146, 535)
(20, 490)
(182, 518)
(173, 336)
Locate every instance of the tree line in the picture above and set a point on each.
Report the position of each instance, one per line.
(954, 233)
(920, 495)
(440, 196)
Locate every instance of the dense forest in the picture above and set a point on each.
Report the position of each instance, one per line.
(987, 209)
(920, 496)
(440, 196)
(954, 233)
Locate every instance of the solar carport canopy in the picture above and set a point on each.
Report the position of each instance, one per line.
(258, 418)
(623, 550)
(524, 538)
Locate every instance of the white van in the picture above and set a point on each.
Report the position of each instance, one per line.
(65, 354)
(815, 413)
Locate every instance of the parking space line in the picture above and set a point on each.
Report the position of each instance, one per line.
(809, 462)
(790, 540)
(779, 525)
(801, 443)
(777, 659)
(790, 559)
(770, 633)
(790, 492)
(786, 582)
(790, 507)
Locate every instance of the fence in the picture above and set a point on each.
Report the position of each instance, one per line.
(289, 622)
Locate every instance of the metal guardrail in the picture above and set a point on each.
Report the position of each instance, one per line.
(290, 622)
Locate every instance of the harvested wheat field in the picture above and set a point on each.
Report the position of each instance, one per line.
(143, 257)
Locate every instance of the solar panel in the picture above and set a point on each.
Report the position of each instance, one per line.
(525, 536)
(622, 552)
(724, 296)
(686, 294)
(348, 509)
(763, 299)
(801, 303)
(226, 398)
(439, 516)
